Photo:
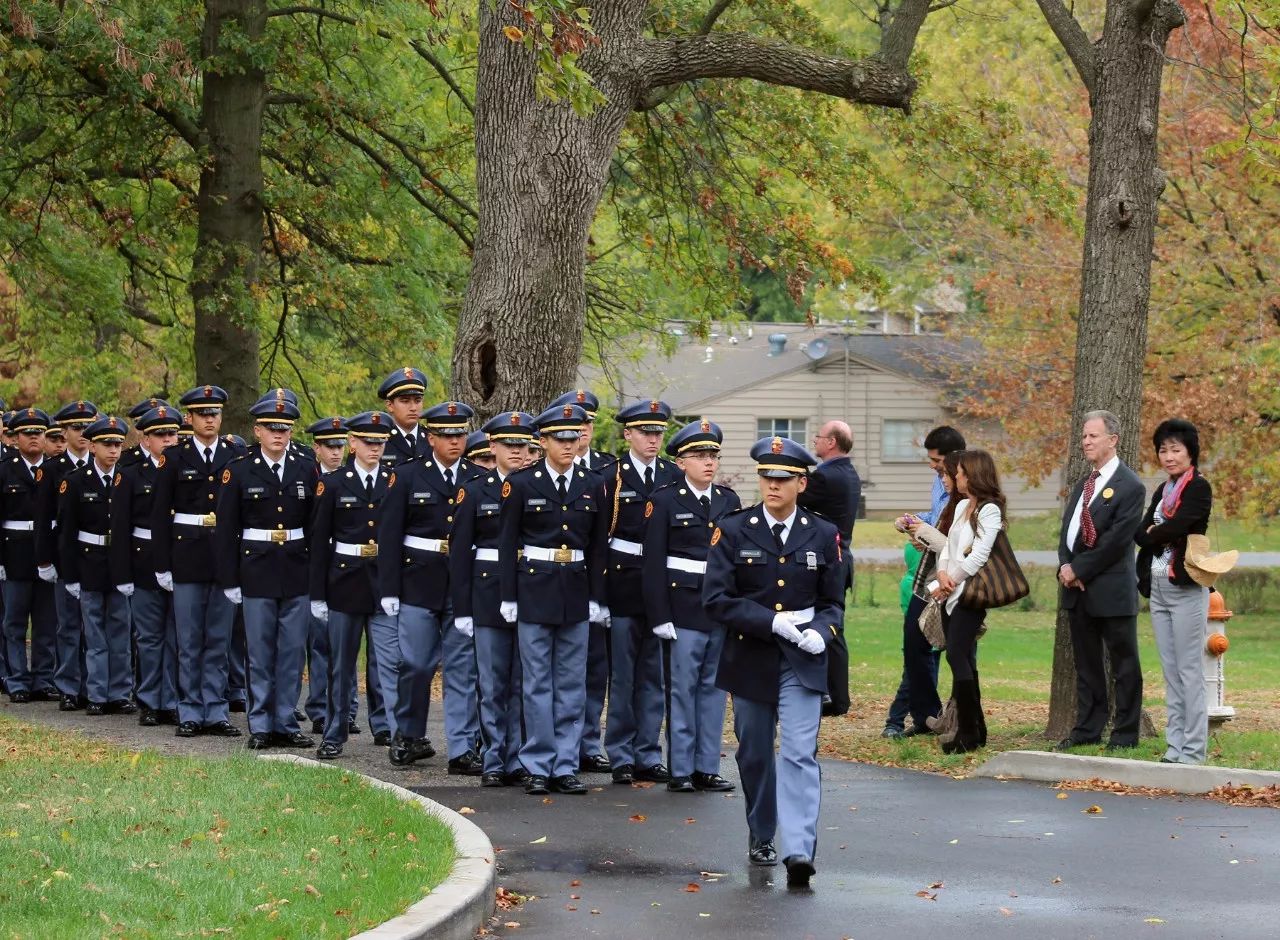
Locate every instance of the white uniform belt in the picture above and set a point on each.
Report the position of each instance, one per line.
(427, 545)
(627, 548)
(141, 533)
(361, 551)
(271, 535)
(90, 538)
(692, 565)
(486, 554)
(802, 616)
(191, 518)
(562, 555)
(20, 525)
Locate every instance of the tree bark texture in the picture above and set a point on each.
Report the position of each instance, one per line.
(1125, 183)
(541, 170)
(230, 225)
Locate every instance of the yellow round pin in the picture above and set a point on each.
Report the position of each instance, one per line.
(1108, 493)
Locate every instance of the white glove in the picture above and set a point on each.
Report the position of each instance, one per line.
(126, 589)
(784, 626)
(165, 580)
(320, 610)
(598, 613)
(464, 625)
(665, 631)
(509, 611)
(235, 595)
(48, 573)
(73, 588)
(3, 575)
(391, 606)
(811, 641)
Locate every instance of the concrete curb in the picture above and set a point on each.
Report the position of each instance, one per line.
(1051, 767)
(461, 903)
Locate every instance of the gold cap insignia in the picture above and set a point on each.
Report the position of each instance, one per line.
(653, 407)
(453, 408)
(582, 397)
(568, 411)
(776, 447)
(706, 426)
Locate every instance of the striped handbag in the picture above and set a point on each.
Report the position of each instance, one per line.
(998, 583)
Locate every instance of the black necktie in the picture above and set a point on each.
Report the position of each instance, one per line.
(648, 478)
(208, 458)
(778, 528)
(368, 487)
(448, 477)
(275, 468)
(562, 488)
(706, 504)
(106, 483)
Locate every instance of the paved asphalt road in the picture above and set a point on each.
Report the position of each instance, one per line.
(1013, 859)
(881, 556)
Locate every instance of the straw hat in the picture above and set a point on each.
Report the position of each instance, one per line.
(1204, 567)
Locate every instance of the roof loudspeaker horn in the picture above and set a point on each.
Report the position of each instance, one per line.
(817, 349)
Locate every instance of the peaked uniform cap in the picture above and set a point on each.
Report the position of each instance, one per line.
(405, 381)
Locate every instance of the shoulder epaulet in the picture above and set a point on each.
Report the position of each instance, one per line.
(665, 486)
(739, 511)
(722, 488)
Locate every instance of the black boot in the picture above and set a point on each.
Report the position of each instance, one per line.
(982, 715)
(968, 731)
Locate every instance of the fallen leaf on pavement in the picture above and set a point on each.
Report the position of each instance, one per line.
(692, 887)
(689, 820)
(954, 842)
(639, 818)
(1064, 796)
(1056, 881)
(575, 897)
(936, 885)
(643, 784)
(539, 840)
(1006, 912)
(512, 924)
(466, 811)
(926, 895)
(1153, 920)
(575, 883)
(1093, 810)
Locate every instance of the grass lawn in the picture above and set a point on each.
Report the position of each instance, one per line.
(1040, 532)
(1015, 659)
(96, 840)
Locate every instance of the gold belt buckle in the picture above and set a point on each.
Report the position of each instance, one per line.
(106, 540)
(563, 555)
(279, 536)
(444, 546)
(208, 519)
(368, 551)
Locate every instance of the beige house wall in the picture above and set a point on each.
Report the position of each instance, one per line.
(866, 398)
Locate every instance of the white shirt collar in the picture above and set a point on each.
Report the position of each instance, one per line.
(454, 469)
(787, 523)
(103, 473)
(78, 461)
(697, 493)
(640, 466)
(1107, 470)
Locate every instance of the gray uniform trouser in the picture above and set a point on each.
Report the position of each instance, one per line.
(203, 616)
(156, 635)
(69, 676)
(23, 601)
(636, 694)
(108, 672)
(275, 630)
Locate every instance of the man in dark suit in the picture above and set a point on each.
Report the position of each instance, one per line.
(835, 488)
(1099, 586)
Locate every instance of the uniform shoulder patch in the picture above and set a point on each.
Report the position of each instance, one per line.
(648, 508)
(391, 480)
(119, 479)
(62, 487)
(320, 488)
(715, 536)
(226, 476)
(39, 474)
(160, 462)
(506, 489)
(462, 494)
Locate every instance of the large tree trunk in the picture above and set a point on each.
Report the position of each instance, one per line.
(1125, 182)
(229, 231)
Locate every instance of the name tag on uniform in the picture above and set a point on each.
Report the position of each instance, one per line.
(811, 561)
(348, 500)
(536, 502)
(190, 474)
(685, 515)
(255, 490)
(750, 553)
(302, 490)
(421, 495)
(490, 507)
(627, 494)
(89, 497)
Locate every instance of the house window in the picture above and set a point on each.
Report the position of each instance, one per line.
(902, 441)
(792, 428)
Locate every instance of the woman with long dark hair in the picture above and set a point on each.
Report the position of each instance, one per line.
(977, 519)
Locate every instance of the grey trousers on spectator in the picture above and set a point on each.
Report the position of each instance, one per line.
(1178, 615)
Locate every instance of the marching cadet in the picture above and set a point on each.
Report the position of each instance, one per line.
(413, 581)
(183, 518)
(478, 452)
(344, 556)
(591, 758)
(134, 569)
(636, 692)
(55, 443)
(264, 510)
(775, 582)
(682, 516)
(73, 418)
(8, 438)
(473, 575)
(402, 390)
(85, 514)
(26, 597)
(138, 452)
(328, 447)
(551, 556)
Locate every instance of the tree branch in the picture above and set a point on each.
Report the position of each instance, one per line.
(713, 14)
(1073, 39)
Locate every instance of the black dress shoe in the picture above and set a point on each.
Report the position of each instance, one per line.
(712, 782)
(317, 726)
(236, 705)
(467, 765)
(353, 727)
(535, 785)
(624, 773)
(187, 729)
(382, 739)
(258, 741)
(293, 739)
(69, 703)
(799, 870)
(404, 751)
(96, 708)
(595, 764)
(21, 697)
(681, 785)
(166, 716)
(568, 783)
(516, 778)
(658, 773)
(148, 718)
(45, 695)
(762, 852)
(122, 707)
(492, 778)
(222, 729)
(329, 751)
